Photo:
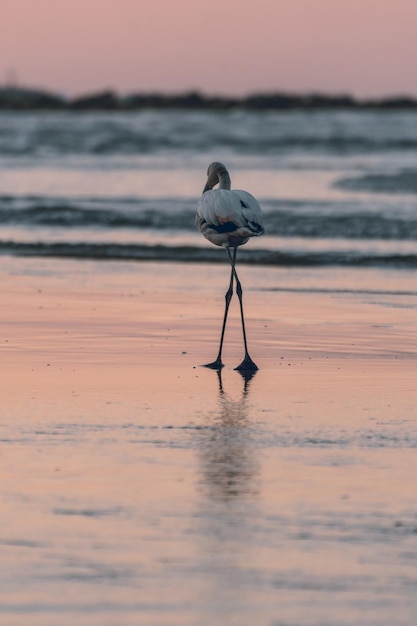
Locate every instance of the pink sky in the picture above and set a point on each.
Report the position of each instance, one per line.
(365, 47)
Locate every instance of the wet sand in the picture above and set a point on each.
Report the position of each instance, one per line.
(140, 488)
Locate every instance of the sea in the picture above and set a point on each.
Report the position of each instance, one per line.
(337, 187)
(139, 489)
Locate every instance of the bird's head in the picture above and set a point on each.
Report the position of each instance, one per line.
(217, 173)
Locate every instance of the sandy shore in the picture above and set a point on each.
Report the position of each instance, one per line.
(128, 469)
(81, 313)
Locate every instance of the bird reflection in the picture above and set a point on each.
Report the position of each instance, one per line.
(228, 465)
(229, 487)
(247, 376)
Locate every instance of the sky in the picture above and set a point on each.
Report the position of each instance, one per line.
(367, 48)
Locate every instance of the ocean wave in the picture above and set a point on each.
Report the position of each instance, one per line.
(344, 225)
(196, 254)
(401, 182)
(138, 144)
(282, 218)
(255, 133)
(97, 213)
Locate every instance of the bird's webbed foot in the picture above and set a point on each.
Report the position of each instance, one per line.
(247, 365)
(216, 365)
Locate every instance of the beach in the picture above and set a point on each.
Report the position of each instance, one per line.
(141, 488)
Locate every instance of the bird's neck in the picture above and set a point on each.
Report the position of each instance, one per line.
(224, 180)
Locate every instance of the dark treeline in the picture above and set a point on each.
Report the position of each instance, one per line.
(21, 99)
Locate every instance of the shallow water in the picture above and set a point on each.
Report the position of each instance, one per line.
(139, 488)
(292, 502)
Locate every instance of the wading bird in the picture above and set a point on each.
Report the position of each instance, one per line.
(229, 218)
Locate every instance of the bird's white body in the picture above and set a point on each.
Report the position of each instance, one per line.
(227, 217)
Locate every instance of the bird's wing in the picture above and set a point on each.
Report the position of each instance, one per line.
(218, 206)
(250, 208)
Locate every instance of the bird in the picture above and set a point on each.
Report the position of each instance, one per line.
(228, 218)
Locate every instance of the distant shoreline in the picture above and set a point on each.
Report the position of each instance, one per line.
(25, 99)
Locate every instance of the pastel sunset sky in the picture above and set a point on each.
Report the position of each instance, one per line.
(363, 47)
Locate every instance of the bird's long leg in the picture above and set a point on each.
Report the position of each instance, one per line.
(217, 364)
(247, 363)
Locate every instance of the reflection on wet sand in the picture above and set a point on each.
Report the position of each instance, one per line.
(227, 457)
(229, 488)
